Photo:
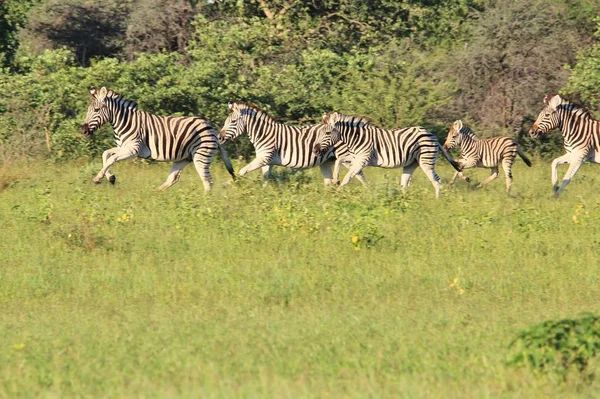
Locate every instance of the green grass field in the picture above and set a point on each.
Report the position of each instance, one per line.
(289, 291)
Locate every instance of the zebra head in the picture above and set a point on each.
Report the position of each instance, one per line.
(453, 137)
(233, 126)
(97, 113)
(548, 117)
(328, 135)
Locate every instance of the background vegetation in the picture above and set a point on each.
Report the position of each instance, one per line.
(397, 62)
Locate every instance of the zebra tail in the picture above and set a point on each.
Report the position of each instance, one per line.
(523, 157)
(454, 164)
(227, 161)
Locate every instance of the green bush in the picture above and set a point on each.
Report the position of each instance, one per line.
(558, 346)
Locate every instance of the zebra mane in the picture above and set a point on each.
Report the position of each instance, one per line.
(119, 98)
(348, 120)
(260, 113)
(467, 131)
(581, 111)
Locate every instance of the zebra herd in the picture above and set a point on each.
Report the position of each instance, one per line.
(340, 139)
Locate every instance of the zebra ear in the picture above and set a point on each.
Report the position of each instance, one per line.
(325, 117)
(549, 97)
(458, 125)
(230, 106)
(99, 95)
(93, 91)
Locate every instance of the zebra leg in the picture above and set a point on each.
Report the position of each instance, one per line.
(266, 171)
(558, 161)
(121, 154)
(573, 168)
(174, 174)
(111, 177)
(255, 164)
(356, 168)
(456, 174)
(433, 177)
(406, 177)
(507, 166)
(360, 176)
(489, 179)
(326, 171)
(202, 165)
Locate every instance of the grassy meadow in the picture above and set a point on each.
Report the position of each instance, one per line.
(293, 290)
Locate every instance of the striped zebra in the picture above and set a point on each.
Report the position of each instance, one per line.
(370, 145)
(182, 139)
(581, 135)
(483, 153)
(279, 144)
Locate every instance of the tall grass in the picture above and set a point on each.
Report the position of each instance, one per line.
(289, 291)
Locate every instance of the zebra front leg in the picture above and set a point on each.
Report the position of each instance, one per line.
(121, 154)
(326, 172)
(558, 161)
(573, 168)
(356, 168)
(105, 155)
(266, 172)
(174, 174)
(493, 176)
(360, 176)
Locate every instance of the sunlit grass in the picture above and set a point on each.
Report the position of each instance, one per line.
(292, 290)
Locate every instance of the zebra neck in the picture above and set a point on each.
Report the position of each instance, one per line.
(257, 126)
(573, 120)
(120, 119)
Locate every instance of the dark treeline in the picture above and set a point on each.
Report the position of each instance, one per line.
(399, 63)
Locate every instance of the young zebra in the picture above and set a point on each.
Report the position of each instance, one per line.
(370, 145)
(483, 153)
(163, 138)
(581, 134)
(279, 144)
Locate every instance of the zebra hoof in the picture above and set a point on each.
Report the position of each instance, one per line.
(96, 181)
(468, 179)
(112, 180)
(555, 188)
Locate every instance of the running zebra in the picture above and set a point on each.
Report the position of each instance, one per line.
(182, 139)
(370, 145)
(279, 144)
(581, 135)
(483, 153)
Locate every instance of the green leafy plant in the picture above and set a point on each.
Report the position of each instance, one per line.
(558, 346)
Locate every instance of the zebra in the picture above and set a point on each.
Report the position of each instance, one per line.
(581, 134)
(370, 145)
(181, 139)
(279, 144)
(486, 153)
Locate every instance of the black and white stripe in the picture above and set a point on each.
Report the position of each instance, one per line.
(279, 144)
(581, 134)
(163, 138)
(370, 145)
(483, 153)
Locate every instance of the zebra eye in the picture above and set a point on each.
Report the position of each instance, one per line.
(97, 109)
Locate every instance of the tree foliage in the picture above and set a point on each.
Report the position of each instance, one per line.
(408, 62)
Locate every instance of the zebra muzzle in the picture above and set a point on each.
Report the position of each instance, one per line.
(317, 149)
(85, 130)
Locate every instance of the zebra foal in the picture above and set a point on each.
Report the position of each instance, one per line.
(581, 136)
(407, 148)
(182, 139)
(483, 153)
(279, 144)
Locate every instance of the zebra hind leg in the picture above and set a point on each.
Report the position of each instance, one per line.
(202, 165)
(433, 177)
(174, 174)
(507, 166)
(493, 176)
(406, 177)
(266, 171)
